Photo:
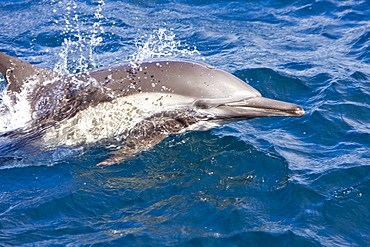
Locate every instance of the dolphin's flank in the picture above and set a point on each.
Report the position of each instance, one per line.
(137, 106)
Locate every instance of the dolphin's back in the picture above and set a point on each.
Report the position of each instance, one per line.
(182, 77)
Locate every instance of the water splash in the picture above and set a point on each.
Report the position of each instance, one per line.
(76, 55)
(15, 109)
(81, 38)
(161, 43)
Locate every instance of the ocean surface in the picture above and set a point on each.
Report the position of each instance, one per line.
(264, 182)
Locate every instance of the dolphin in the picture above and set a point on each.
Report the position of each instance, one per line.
(134, 106)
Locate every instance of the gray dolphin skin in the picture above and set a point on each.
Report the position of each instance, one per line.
(133, 106)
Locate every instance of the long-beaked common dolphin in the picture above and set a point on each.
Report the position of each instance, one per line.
(136, 105)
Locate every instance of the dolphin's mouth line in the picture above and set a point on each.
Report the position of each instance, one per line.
(298, 112)
(265, 106)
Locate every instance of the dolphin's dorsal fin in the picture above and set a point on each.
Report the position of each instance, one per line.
(17, 72)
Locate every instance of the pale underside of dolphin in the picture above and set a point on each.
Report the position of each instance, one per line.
(137, 106)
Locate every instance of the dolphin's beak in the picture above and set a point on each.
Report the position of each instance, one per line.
(257, 107)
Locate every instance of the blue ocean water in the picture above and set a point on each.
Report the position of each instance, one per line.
(264, 182)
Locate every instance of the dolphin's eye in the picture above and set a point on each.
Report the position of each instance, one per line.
(201, 105)
(205, 104)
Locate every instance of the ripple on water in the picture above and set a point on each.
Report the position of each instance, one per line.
(288, 181)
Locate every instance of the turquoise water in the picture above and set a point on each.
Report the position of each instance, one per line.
(264, 182)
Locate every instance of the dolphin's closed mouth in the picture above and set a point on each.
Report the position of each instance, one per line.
(260, 106)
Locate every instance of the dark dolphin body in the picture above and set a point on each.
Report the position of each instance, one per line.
(138, 105)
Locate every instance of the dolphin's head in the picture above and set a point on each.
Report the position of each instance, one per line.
(228, 98)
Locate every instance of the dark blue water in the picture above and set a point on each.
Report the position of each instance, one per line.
(265, 182)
